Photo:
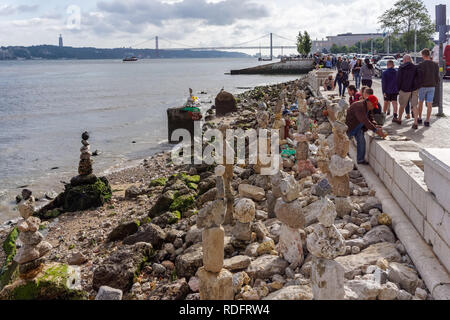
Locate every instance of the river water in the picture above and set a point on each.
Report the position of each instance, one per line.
(46, 105)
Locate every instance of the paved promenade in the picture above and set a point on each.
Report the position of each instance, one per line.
(436, 136)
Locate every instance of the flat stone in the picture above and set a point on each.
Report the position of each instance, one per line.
(303, 292)
(290, 213)
(266, 266)
(289, 189)
(372, 203)
(213, 249)
(379, 234)
(252, 192)
(188, 263)
(340, 166)
(108, 293)
(327, 212)
(237, 263)
(363, 289)
(354, 264)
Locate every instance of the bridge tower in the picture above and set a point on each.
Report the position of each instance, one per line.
(157, 45)
(271, 46)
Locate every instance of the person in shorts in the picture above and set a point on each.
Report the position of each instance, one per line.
(429, 74)
(389, 89)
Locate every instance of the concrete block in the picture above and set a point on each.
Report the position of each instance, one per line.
(389, 160)
(401, 178)
(418, 195)
(439, 219)
(440, 248)
(401, 198)
(437, 173)
(416, 218)
(381, 154)
(387, 180)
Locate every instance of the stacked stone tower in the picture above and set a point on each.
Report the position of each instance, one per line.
(85, 175)
(215, 281)
(31, 255)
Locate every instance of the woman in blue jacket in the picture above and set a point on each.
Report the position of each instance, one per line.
(342, 81)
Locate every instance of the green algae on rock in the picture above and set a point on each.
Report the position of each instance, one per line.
(182, 203)
(158, 182)
(55, 281)
(9, 268)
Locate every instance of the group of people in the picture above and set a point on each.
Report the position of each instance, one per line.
(362, 73)
(413, 85)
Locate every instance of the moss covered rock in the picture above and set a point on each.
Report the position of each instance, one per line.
(55, 282)
(182, 203)
(192, 186)
(158, 182)
(162, 204)
(9, 267)
(88, 196)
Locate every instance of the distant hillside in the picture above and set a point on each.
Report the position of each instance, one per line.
(55, 52)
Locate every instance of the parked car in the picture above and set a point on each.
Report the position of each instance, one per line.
(388, 58)
(382, 65)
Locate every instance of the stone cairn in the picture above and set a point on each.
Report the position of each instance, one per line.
(227, 177)
(288, 210)
(31, 255)
(262, 119)
(326, 243)
(85, 175)
(216, 283)
(244, 211)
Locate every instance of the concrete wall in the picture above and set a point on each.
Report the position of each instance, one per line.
(398, 166)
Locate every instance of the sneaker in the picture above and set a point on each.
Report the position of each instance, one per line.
(415, 127)
(426, 124)
(363, 162)
(419, 121)
(397, 121)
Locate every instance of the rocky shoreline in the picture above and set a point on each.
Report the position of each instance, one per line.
(145, 242)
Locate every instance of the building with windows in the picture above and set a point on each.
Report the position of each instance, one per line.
(343, 39)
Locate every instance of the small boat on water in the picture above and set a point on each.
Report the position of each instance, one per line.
(130, 59)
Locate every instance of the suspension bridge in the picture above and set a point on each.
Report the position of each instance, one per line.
(248, 45)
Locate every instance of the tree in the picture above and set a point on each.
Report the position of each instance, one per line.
(300, 42)
(307, 43)
(334, 49)
(405, 17)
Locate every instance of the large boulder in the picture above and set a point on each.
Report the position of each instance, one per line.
(379, 234)
(119, 269)
(225, 103)
(149, 233)
(123, 230)
(188, 263)
(406, 277)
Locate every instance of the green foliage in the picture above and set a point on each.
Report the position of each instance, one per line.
(304, 43)
(192, 186)
(405, 17)
(176, 216)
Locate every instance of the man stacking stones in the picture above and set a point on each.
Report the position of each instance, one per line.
(216, 283)
(31, 255)
(289, 211)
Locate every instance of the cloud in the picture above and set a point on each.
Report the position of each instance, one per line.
(155, 12)
(7, 10)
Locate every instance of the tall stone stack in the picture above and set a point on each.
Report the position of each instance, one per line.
(30, 257)
(244, 212)
(340, 166)
(227, 177)
(278, 123)
(262, 119)
(303, 118)
(275, 193)
(85, 175)
(216, 283)
(288, 210)
(326, 243)
(304, 166)
(323, 157)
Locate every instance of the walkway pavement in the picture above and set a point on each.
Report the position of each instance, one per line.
(436, 136)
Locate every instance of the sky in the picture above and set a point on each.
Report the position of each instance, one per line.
(129, 23)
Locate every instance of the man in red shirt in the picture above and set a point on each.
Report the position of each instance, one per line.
(354, 94)
(359, 120)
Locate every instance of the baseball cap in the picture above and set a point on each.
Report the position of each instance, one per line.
(374, 100)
